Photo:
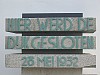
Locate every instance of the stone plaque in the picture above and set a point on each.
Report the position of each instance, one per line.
(50, 42)
(51, 60)
(51, 24)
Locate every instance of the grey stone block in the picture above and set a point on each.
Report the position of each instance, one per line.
(51, 24)
(50, 42)
(50, 60)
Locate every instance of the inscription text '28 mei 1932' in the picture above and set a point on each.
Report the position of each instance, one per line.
(49, 61)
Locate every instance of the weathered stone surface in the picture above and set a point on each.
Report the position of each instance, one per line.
(52, 71)
(50, 42)
(89, 74)
(50, 60)
(51, 24)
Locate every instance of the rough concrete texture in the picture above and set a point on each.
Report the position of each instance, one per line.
(50, 60)
(50, 42)
(51, 24)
